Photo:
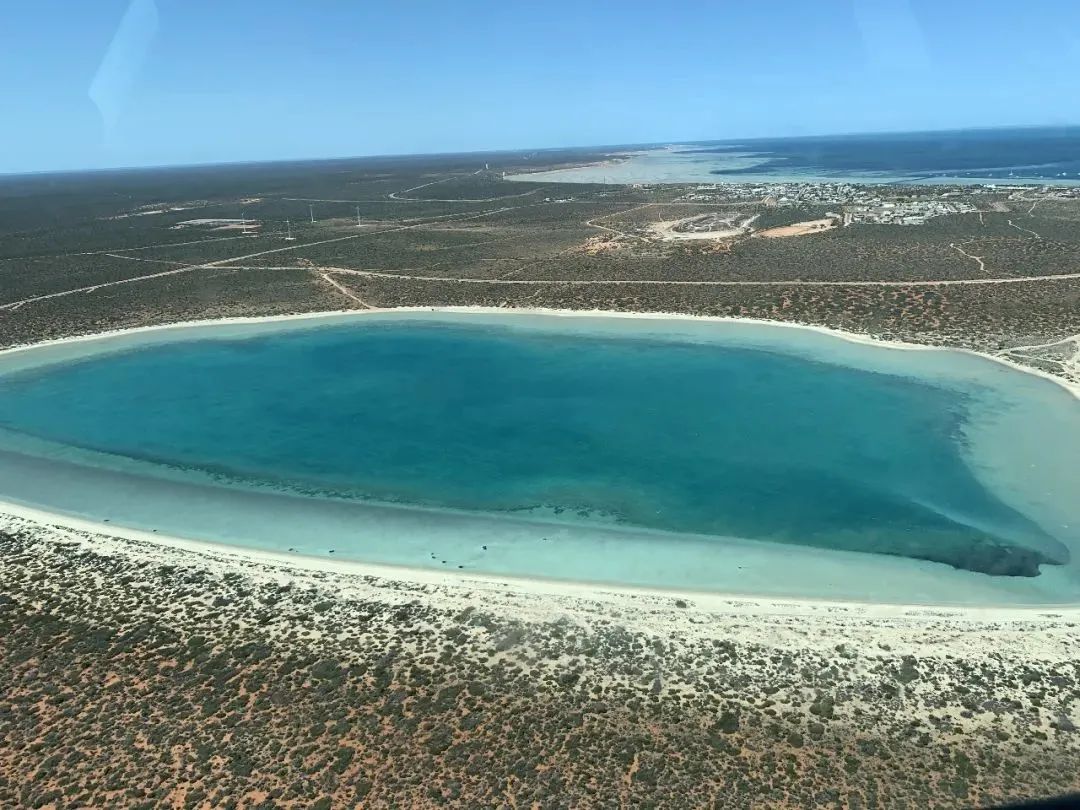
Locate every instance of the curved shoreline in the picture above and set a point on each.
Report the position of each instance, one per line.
(685, 168)
(509, 583)
(534, 584)
(852, 337)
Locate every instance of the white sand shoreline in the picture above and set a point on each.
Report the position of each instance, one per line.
(532, 585)
(685, 165)
(852, 337)
(56, 526)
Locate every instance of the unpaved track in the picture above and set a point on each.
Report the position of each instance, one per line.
(108, 251)
(1068, 363)
(345, 291)
(1026, 230)
(979, 259)
(581, 281)
(396, 195)
(141, 259)
(12, 305)
(234, 262)
(592, 222)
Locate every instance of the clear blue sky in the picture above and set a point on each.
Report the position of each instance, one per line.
(149, 82)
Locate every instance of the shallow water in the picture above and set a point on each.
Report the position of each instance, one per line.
(602, 438)
(1040, 156)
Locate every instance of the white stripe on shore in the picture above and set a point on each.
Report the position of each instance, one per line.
(853, 337)
(58, 525)
(55, 525)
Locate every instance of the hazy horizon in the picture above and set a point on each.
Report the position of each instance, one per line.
(523, 149)
(138, 83)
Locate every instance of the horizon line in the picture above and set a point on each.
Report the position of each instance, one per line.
(149, 167)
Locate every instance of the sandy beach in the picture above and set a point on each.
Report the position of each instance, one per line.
(854, 337)
(937, 584)
(60, 528)
(689, 615)
(938, 704)
(682, 163)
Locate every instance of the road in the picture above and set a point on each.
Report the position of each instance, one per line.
(109, 251)
(236, 262)
(13, 305)
(396, 195)
(979, 259)
(583, 282)
(228, 265)
(345, 291)
(1028, 230)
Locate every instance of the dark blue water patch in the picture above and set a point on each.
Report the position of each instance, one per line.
(1045, 153)
(706, 439)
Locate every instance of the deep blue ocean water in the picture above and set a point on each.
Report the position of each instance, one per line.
(1049, 153)
(682, 437)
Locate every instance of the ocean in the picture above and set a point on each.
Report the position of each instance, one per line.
(694, 436)
(1031, 156)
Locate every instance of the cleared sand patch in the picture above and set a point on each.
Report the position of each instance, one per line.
(704, 226)
(799, 228)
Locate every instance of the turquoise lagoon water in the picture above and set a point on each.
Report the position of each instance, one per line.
(676, 454)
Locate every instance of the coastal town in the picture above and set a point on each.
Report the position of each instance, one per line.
(562, 406)
(153, 671)
(882, 205)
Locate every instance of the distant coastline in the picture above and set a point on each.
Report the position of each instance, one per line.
(1006, 157)
(668, 166)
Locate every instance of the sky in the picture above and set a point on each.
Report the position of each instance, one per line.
(108, 83)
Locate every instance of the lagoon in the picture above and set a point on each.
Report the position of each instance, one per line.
(671, 453)
(1012, 156)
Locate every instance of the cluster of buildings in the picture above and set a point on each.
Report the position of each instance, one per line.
(911, 212)
(858, 203)
(782, 194)
(1046, 192)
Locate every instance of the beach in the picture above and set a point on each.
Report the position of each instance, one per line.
(936, 704)
(1018, 158)
(522, 547)
(73, 342)
(492, 480)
